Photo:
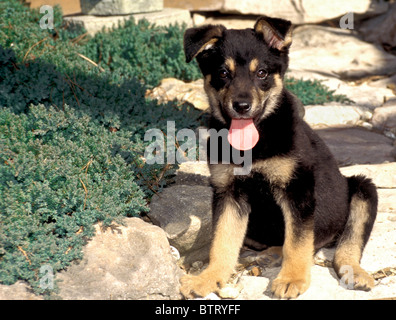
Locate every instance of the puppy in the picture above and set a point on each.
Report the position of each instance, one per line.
(293, 194)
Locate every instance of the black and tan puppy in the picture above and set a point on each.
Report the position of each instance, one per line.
(293, 194)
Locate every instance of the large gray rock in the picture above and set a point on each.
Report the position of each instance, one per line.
(303, 11)
(184, 212)
(118, 7)
(93, 24)
(124, 262)
(381, 29)
(337, 52)
(193, 173)
(358, 146)
(335, 114)
(171, 88)
(384, 117)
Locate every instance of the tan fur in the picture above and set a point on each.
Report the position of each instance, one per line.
(213, 97)
(206, 46)
(295, 275)
(348, 252)
(278, 170)
(224, 253)
(253, 65)
(274, 94)
(221, 175)
(230, 64)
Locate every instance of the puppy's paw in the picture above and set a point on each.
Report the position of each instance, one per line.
(200, 285)
(358, 279)
(289, 288)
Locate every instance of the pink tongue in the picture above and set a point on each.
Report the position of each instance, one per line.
(243, 135)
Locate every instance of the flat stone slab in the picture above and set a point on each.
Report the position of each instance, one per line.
(94, 24)
(358, 146)
(117, 7)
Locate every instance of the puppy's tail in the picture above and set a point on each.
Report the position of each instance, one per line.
(362, 191)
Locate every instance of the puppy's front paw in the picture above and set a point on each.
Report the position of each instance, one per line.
(200, 285)
(289, 288)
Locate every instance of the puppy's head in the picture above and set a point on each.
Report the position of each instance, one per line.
(243, 69)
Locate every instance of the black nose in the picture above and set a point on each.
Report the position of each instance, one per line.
(241, 107)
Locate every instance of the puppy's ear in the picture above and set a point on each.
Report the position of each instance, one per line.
(199, 39)
(277, 33)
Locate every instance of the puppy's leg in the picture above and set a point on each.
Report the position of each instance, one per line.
(298, 249)
(271, 257)
(363, 211)
(230, 229)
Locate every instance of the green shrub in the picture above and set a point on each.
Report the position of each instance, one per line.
(313, 91)
(73, 159)
(60, 174)
(143, 51)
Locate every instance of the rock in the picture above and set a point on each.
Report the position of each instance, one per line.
(303, 11)
(358, 146)
(93, 24)
(335, 115)
(381, 29)
(124, 262)
(383, 175)
(364, 95)
(338, 53)
(229, 292)
(195, 5)
(232, 21)
(193, 173)
(384, 117)
(118, 7)
(171, 89)
(184, 212)
(17, 291)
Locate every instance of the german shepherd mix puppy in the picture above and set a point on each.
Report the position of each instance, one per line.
(294, 194)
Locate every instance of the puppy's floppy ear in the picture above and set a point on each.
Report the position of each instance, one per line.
(276, 32)
(199, 39)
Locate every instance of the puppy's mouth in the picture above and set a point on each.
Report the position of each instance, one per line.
(243, 134)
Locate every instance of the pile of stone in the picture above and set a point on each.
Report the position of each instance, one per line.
(105, 14)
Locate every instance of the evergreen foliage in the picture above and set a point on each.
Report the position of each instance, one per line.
(60, 174)
(71, 140)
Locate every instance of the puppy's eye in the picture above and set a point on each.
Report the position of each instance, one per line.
(262, 74)
(223, 74)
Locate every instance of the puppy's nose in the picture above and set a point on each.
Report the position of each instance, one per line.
(241, 106)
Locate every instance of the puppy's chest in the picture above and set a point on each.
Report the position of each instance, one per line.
(276, 172)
